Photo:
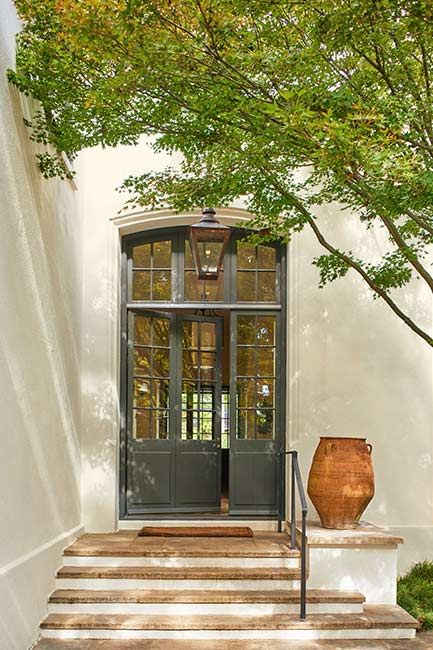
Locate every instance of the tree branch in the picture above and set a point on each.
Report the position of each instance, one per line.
(294, 201)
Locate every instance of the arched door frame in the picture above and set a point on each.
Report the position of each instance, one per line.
(165, 221)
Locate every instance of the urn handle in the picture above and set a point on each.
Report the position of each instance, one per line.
(370, 448)
(328, 448)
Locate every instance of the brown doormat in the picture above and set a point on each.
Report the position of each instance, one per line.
(195, 531)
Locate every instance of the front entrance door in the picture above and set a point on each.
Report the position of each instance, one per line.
(173, 454)
(255, 371)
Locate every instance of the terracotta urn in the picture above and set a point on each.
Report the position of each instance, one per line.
(341, 481)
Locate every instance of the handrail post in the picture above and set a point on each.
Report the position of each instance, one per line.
(304, 565)
(296, 482)
(293, 503)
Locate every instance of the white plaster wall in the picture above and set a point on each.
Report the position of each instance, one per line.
(100, 172)
(356, 370)
(353, 368)
(370, 570)
(40, 296)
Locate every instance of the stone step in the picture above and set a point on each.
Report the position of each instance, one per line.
(126, 549)
(215, 602)
(385, 621)
(422, 642)
(187, 561)
(128, 544)
(136, 577)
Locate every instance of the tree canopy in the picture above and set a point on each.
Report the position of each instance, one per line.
(290, 104)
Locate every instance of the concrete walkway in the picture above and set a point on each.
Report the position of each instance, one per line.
(423, 641)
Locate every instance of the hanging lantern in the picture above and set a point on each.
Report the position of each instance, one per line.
(209, 240)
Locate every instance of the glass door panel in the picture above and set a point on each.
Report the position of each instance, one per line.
(254, 418)
(198, 445)
(150, 450)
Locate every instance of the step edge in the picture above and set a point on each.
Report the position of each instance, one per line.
(276, 596)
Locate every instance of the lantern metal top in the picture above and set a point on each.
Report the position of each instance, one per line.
(209, 220)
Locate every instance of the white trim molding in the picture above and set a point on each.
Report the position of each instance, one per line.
(139, 220)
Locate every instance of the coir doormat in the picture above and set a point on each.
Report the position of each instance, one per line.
(195, 531)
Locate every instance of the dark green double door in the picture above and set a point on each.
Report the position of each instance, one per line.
(174, 414)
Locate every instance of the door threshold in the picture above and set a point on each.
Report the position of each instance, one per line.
(259, 523)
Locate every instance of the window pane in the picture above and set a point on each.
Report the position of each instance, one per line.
(266, 289)
(160, 332)
(189, 395)
(196, 290)
(142, 330)
(141, 256)
(141, 285)
(142, 427)
(265, 330)
(150, 424)
(189, 426)
(246, 286)
(266, 257)
(162, 255)
(246, 256)
(207, 336)
(142, 364)
(189, 262)
(265, 362)
(160, 362)
(265, 393)
(160, 427)
(206, 425)
(159, 394)
(246, 361)
(207, 399)
(161, 285)
(246, 330)
(141, 393)
(207, 366)
(265, 424)
(213, 290)
(246, 390)
(187, 335)
(193, 286)
(246, 421)
(190, 364)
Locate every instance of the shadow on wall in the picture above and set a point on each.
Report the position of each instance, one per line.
(39, 373)
(356, 370)
(39, 345)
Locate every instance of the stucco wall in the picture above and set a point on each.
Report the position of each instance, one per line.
(40, 296)
(353, 369)
(356, 370)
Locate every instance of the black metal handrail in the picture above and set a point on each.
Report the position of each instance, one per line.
(296, 482)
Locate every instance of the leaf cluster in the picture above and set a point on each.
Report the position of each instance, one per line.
(289, 105)
(415, 593)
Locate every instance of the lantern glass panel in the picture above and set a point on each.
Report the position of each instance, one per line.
(210, 253)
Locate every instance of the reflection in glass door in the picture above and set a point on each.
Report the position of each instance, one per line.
(198, 449)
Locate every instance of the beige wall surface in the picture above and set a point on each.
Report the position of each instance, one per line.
(353, 368)
(356, 370)
(40, 298)
(100, 172)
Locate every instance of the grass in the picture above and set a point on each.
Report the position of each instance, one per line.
(415, 593)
